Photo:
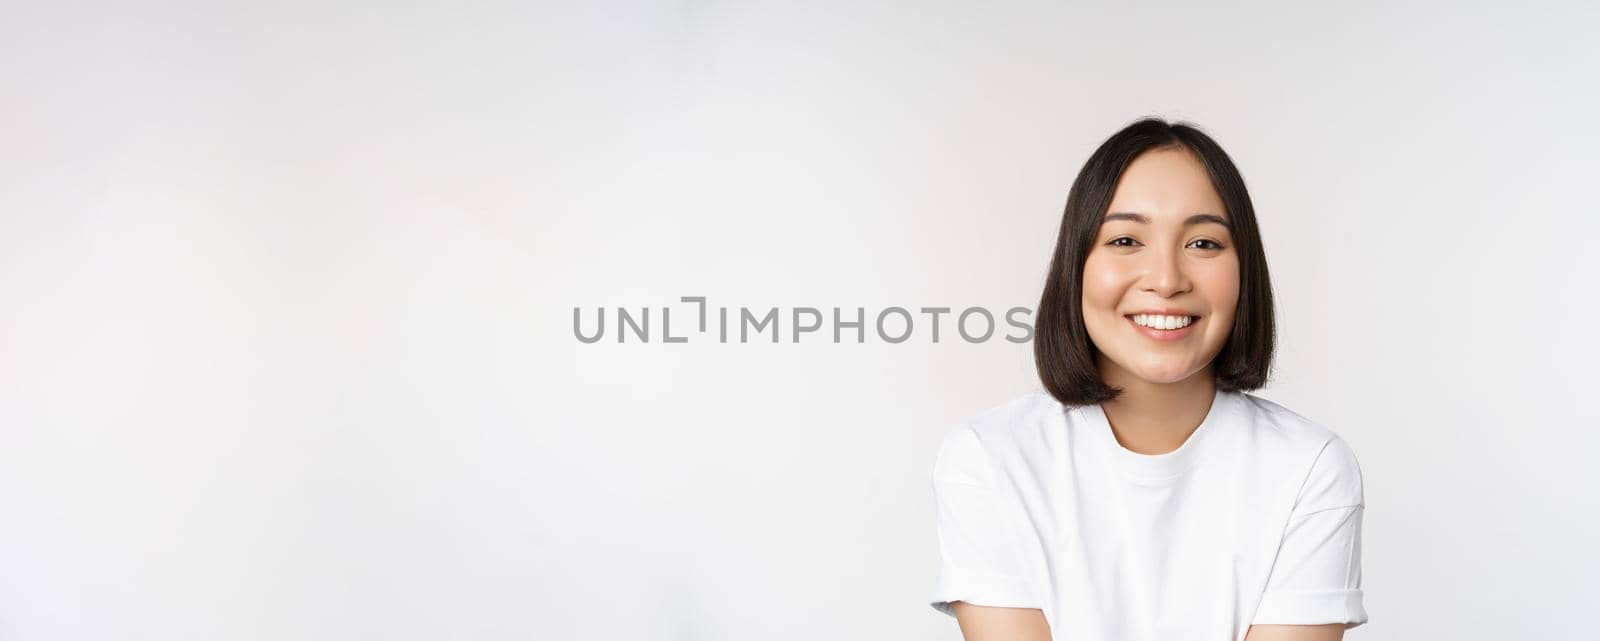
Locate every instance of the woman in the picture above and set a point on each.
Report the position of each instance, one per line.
(1143, 494)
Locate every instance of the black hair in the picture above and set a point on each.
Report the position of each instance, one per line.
(1061, 347)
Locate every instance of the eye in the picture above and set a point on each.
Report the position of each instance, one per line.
(1114, 242)
(1214, 244)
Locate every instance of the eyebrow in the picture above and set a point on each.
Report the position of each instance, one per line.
(1192, 220)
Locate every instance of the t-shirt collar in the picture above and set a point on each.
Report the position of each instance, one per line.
(1158, 468)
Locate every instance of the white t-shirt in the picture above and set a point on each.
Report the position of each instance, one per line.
(1256, 518)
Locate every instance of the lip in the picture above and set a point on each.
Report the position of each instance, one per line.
(1165, 334)
(1171, 311)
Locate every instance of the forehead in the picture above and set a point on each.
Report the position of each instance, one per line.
(1165, 183)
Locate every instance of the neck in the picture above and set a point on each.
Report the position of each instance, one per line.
(1156, 418)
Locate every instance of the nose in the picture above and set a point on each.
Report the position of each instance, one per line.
(1165, 275)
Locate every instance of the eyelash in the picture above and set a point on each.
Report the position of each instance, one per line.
(1113, 242)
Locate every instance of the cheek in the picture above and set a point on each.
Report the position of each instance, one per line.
(1222, 291)
(1101, 286)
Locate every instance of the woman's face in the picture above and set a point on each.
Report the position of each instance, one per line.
(1163, 249)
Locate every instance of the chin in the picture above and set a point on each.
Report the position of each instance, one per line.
(1164, 374)
(1162, 378)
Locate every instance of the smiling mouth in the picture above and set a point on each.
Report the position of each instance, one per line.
(1162, 323)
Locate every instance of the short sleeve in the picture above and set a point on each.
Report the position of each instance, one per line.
(1316, 578)
(981, 531)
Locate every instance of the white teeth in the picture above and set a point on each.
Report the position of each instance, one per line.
(1162, 322)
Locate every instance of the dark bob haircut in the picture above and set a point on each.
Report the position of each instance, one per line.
(1061, 347)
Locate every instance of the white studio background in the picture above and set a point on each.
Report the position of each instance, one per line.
(286, 293)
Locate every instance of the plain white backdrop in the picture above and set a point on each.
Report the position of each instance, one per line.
(286, 294)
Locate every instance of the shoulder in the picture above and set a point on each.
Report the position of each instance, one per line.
(1272, 420)
(994, 436)
(1330, 473)
(1017, 418)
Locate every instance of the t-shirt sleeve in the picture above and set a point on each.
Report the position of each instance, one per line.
(1316, 578)
(981, 531)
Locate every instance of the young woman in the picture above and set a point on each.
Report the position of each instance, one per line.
(1143, 494)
